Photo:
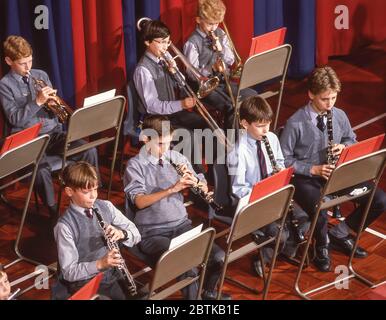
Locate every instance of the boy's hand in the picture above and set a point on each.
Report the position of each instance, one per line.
(114, 234)
(43, 95)
(188, 103)
(183, 183)
(203, 186)
(111, 259)
(323, 170)
(337, 149)
(219, 66)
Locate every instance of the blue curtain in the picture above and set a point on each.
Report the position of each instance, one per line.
(53, 51)
(299, 18)
(301, 34)
(268, 16)
(132, 11)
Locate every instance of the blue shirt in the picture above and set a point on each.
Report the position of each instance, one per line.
(243, 164)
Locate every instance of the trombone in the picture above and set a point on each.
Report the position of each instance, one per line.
(207, 85)
(238, 64)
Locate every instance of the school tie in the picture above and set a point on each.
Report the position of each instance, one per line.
(162, 63)
(320, 122)
(25, 79)
(88, 213)
(261, 157)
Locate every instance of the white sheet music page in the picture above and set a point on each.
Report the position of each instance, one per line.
(185, 236)
(100, 97)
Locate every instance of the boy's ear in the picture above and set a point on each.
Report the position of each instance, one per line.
(198, 20)
(8, 60)
(69, 192)
(147, 43)
(244, 123)
(310, 95)
(145, 138)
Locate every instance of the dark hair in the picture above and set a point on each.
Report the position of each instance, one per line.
(80, 175)
(152, 29)
(255, 109)
(322, 79)
(157, 123)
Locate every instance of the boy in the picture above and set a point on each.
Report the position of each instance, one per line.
(5, 288)
(153, 186)
(156, 88)
(23, 107)
(80, 240)
(304, 143)
(204, 54)
(249, 163)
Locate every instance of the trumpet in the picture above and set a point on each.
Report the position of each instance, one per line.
(55, 104)
(222, 68)
(131, 286)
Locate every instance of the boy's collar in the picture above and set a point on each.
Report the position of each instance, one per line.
(77, 208)
(17, 76)
(154, 160)
(152, 56)
(200, 32)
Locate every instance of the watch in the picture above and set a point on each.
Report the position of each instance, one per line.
(125, 235)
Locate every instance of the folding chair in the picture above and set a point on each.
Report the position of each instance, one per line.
(368, 168)
(174, 262)
(135, 251)
(221, 194)
(103, 117)
(254, 216)
(132, 122)
(25, 156)
(90, 290)
(4, 134)
(259, 68)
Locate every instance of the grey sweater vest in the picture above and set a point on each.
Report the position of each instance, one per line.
(163, 81)
(207, 57)
(88, 235)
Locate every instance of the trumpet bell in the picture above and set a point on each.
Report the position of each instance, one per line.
(207, 87)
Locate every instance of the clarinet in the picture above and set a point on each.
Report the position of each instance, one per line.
(122, 268)
(197, 189)
(275, 169)
(331, 158)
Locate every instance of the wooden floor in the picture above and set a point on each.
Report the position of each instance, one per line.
(363, 97)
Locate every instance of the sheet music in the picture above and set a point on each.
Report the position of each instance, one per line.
(100, 97)
(185, 236)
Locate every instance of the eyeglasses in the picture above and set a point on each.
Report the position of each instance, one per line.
(167, 42)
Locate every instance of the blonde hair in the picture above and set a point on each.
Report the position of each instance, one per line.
(211, 10)
(16, 47)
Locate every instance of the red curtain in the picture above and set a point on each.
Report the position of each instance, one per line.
(366, 25)
(99, 57)
(179, 16)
